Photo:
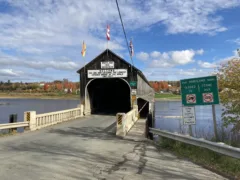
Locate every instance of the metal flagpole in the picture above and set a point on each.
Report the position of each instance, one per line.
(108, 36)
(83, 54)
(107, 47)
(131, 56)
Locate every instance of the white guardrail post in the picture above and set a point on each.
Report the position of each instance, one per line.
(82, 109)
(125, 121)
(216, 147)
(30, 116)
(120, 127)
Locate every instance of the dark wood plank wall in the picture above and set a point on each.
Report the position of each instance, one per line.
(133, 73)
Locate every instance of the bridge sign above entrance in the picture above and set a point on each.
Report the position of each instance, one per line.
(108, 73)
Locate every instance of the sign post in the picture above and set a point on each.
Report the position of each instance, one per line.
(189, 117)
(215, 122)
(201, 91)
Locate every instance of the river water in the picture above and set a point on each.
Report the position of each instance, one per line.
(167, 113)
(168, 117)
(19, 106)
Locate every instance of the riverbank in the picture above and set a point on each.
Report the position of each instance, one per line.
(38, 96)
(167, 97)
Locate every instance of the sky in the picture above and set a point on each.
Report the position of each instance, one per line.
(41, 40)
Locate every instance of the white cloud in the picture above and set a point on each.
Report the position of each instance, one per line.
(160, 63)
(207, 64)
(200, 51)
(169, 59)
(155, 54)
(175, 73)
(17, 75)
(237, 41)
(38, 63)
(226, 59)
(142, 56)
(8, 72)
(183, 57)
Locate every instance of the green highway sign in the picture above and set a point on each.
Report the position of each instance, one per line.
(200, 91)
(133, 83)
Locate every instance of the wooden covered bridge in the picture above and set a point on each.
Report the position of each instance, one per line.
(109, 85)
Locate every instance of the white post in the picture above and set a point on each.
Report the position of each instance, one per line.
(31, 117)
(136, 112)
(120, 124)
(82, 109)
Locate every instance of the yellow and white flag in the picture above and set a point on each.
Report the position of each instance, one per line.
(84, 47)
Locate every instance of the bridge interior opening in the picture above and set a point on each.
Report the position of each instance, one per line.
(143, 107)
(109, 96)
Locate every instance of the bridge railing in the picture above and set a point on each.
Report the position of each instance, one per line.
(216, 147)
(38, 121)
(125, 121)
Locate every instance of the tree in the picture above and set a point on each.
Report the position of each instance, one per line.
(228, 80)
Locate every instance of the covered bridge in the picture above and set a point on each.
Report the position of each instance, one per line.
(109, 84)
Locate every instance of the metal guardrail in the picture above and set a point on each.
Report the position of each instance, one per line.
(13, 125)
(216, 147)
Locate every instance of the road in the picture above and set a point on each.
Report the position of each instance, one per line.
(86, 149)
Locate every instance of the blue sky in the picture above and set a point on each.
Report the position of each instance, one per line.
(41, 40)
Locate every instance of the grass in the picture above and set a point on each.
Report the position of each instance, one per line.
(4, 133)
(169, 96)
(212, 160)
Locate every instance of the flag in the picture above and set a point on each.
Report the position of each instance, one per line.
(84, 47)
(108, 32)
(131, 48)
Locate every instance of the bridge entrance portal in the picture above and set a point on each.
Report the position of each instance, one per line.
(109, 85)
(108, 96)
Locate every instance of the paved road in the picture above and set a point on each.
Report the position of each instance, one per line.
(86, 149)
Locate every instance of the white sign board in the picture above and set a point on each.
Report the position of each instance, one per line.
(107, 65)
(134, 92)
(108, 73)
(189, 115)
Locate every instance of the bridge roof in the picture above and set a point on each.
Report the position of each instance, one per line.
(124, 61)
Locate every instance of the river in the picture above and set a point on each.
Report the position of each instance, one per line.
(166, 112)
(167, 117)
(19, 106)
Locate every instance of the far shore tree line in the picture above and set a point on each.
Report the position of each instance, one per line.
(40, 87)
(166, 86)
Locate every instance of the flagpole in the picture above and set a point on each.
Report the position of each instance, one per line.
(107, 47)
(108, 36)
(84, 64)
(131, 56)
(83, 54)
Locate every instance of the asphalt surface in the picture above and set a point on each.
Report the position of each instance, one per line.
(87, 149)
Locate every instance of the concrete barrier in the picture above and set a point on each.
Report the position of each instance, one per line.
(38, 121)
(125, 121)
